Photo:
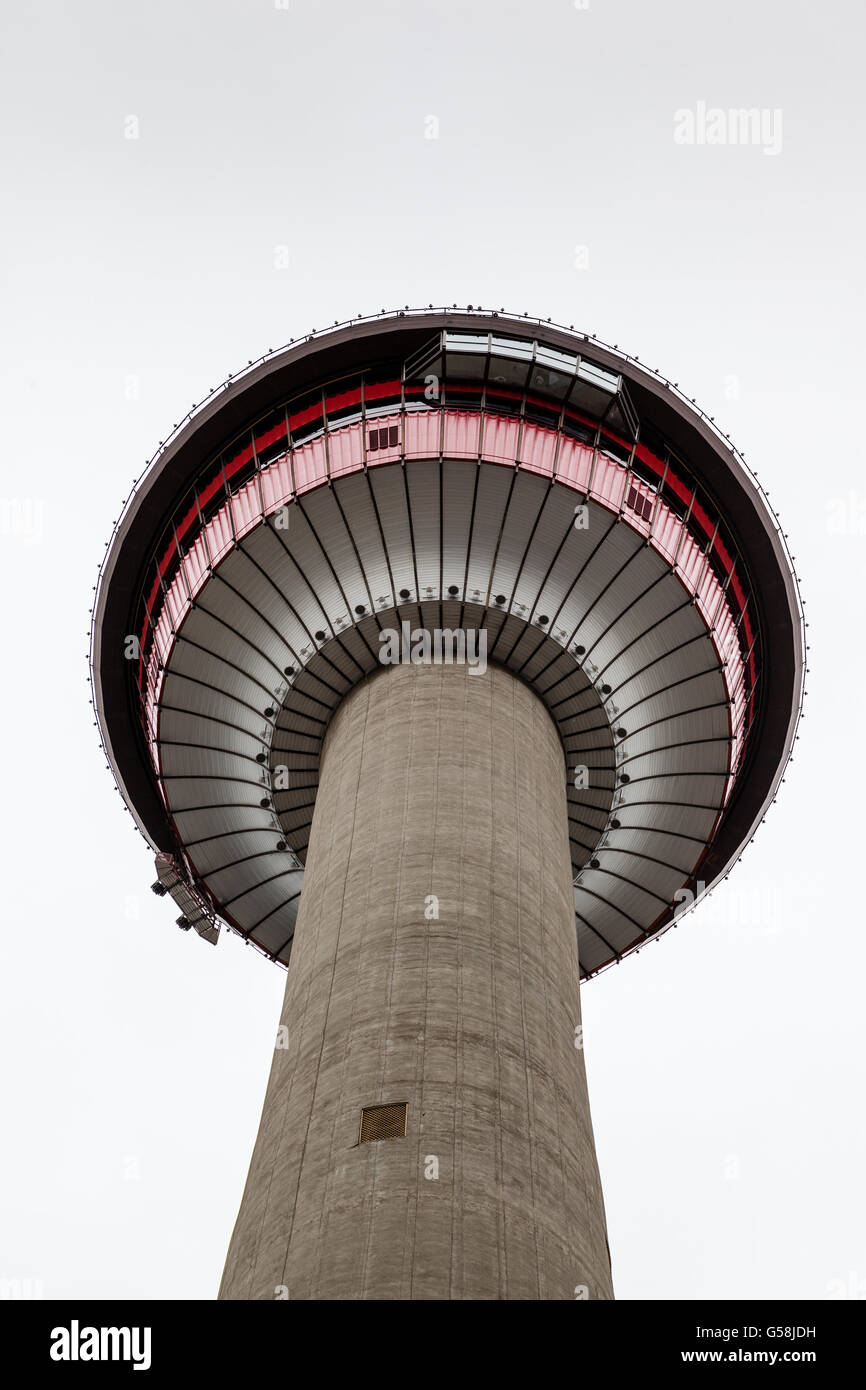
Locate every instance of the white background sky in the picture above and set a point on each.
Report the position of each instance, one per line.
(726, 1063)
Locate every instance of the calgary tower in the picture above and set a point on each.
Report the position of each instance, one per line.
(445, 657)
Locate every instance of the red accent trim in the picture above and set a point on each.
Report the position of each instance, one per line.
(305, 417)
(343, 400)
(183, 526)
(264, 441)
(377, 390)
(210, 491)
(239, 460)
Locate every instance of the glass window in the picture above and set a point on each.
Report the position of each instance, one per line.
(549, 383)
(512, 347)
(507, 373)
(589, 399)
(562, 361)
(608, 381)
(461, 366)
(467, 342)
(615, 420)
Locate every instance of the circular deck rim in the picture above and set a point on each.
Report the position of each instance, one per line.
(724, 474)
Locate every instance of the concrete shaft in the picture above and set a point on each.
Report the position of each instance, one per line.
(436, 783)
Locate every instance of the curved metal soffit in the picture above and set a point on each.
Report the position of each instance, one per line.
(473, 472)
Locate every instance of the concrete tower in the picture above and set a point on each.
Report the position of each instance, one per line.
(439, 792)
(446, 658)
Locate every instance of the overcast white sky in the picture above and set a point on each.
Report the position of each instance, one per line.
(726, 1063)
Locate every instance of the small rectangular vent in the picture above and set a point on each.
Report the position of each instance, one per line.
(388, 437)
(642, 505)
(383, 1122)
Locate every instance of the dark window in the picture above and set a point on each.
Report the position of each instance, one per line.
(388, 437)
(642, 505)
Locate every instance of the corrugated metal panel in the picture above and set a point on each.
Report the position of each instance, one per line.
(422, 478)
(524, 508)
(389, 493)
(356, 500)
(458, 493)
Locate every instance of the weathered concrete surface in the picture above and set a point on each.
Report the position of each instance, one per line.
(433, 782)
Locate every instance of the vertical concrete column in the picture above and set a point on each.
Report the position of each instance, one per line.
(434, 964)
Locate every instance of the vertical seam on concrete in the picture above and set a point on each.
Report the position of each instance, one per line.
(411, 1210)
(414, 725)
(278, 1143)
(527, 1049)
(373, 1154)
(409, 1242)
(552, 1041)
(349, 1032)
(491, 891)
(361, 746)
(460, 1040)
(303, 1151)
(366, 1212)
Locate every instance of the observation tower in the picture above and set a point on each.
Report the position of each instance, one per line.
(445, 657)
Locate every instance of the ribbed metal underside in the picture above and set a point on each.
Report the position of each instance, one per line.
(286, 597)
